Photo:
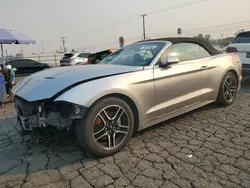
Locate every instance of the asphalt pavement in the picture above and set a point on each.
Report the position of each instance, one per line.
(209, 147)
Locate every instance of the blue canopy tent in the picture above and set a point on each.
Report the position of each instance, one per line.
(12, 37)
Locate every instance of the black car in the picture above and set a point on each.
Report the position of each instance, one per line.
(26, 67)
(95, 58)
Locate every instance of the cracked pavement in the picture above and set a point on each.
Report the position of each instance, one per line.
(209, 147)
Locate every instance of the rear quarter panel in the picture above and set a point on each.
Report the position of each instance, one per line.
(219, 65)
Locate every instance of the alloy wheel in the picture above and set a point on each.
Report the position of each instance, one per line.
(229, 88)
(111, 126)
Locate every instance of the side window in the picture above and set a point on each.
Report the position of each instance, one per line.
(103, 54)
(203, 53)
(186, 52)
(83, 55)
(30, 62)
(13, 63)
(17, 63)
(146, 54)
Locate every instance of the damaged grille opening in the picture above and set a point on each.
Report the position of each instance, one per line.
(40, 114)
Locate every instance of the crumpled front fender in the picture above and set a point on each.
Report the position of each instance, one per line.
(86, 94)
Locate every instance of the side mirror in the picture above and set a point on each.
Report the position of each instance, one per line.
(169, 61)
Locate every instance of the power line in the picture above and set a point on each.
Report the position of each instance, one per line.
(201, 28)
(149, 13)
(208, 31)
(42, 48)
(114, 24)
(213, 28)
(176, 7)
(229, 29)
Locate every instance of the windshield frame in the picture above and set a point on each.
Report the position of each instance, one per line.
(155, 59)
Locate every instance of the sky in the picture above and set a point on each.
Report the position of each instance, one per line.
(92, 25)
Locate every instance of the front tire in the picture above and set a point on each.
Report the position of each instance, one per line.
(106, 128)
(228, 90)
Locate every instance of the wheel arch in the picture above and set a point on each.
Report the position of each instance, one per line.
(129, 101)
(235, 74)
(223, 75)
(232, 70)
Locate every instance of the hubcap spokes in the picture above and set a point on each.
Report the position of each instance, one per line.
(229, 89)
(112, 128)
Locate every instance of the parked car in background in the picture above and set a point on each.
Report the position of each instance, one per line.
(241, 46)
(26, 67)
(95, 58)
(70, 59)
(138, 86)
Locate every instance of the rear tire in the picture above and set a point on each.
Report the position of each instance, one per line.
(228, 90)
(106, 128)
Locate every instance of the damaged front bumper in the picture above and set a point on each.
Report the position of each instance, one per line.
(40, 114)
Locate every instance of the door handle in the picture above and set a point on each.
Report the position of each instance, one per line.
(203, 67)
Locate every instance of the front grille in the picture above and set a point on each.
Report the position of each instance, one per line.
(25, 108)
(27, 113)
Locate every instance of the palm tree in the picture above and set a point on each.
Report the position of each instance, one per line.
(208, 37)
(121, 41)
(179, 30)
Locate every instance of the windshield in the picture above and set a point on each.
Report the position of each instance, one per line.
(69, 55)
(138, 54)
(84, 55)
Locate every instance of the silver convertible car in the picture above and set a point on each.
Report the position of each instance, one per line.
(135, 87)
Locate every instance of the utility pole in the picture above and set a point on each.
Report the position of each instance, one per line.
(21, 50)
(63, 42)
(6, 52)
(143, 25)
(222, 36)
(42, 48)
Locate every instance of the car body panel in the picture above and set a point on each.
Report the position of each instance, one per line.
(172, 81)
(243, 52)
(148, 90)
(158, 93)
(242, 44)
(26, 67)
(138, 86)
(70, 59)
(95, 58)
(56, 79)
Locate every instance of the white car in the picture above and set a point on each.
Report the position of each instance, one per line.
(241, 46)
(70, 59)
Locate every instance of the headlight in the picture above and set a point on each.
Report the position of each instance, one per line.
(66, 110)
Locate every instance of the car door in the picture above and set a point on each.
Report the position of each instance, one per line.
(183, 84)
(31, 66)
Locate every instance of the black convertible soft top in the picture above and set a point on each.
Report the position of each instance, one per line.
(202, 42)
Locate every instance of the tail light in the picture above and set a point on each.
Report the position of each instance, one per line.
(231, 50)
(111, 51)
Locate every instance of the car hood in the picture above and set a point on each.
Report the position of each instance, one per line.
(47, 83)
